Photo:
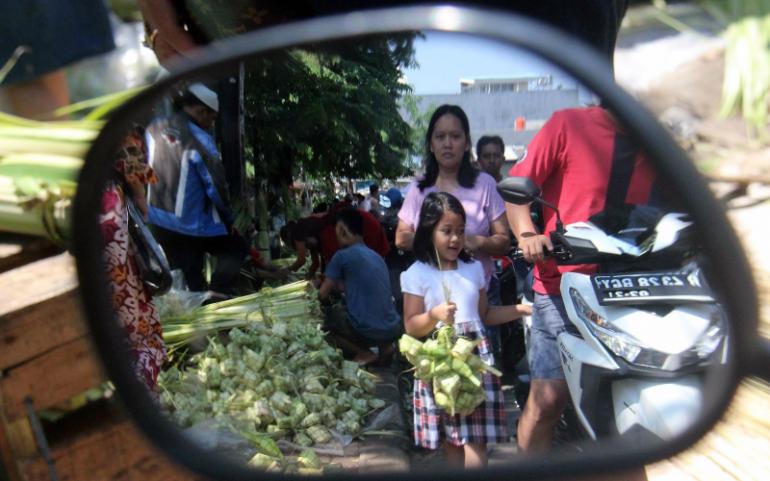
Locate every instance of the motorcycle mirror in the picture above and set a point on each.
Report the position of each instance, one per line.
(281, 126)
(518, 190)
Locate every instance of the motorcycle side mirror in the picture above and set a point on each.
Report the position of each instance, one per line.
(292, 116)
(524, 191)
(518, 190)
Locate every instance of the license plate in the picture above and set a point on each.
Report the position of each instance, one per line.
(650, 287)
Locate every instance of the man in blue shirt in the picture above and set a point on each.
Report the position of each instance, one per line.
(190, 203)
(371, 318)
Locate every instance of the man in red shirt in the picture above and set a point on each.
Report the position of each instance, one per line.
(316, 234)
(374, 238)
(584, 162)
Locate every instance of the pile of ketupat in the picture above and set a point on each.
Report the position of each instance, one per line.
(455, 370)
(277, 375)
(271, 459)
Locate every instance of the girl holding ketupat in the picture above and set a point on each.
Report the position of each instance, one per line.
(447, 287)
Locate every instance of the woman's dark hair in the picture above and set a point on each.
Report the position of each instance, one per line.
(467, 174)
(488, 139)
(433, 208)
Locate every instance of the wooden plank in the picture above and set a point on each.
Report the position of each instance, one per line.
(41, 310)
(8, 464)
(22, 438)
(52, 378)
(116, 452)
(17, 250)
(36, 282)
(34, 330)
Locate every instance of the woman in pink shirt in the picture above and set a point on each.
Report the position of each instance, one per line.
(448, 169)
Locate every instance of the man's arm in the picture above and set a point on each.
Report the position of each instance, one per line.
(530, 243)
(335, 273)
(277, 271)
(314, 264)
(404, 236)
(325, 291)
(271, 271)
(301, 253)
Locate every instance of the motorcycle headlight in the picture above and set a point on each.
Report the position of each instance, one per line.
(635, 352)
(618, 342)
(713, 336)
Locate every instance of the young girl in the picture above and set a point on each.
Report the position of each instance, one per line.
(439, 241)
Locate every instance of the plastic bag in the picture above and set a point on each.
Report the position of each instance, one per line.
(179, 300)
(220, 436)
(390, 419)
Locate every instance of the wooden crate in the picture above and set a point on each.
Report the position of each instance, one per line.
(47, 354)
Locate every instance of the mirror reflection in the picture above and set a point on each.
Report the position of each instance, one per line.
(359, 256)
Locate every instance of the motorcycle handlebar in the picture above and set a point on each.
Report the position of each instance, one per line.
(559, 252)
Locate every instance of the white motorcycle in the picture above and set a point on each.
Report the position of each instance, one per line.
(649, 325)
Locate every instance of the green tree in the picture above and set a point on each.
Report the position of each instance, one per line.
(419, 122)
(332, 109)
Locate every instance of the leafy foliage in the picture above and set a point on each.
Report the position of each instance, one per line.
(419, 126)
(332, 109)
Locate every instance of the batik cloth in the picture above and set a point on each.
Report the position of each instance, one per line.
(135, 310)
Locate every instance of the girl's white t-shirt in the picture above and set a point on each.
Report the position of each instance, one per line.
(465, 283)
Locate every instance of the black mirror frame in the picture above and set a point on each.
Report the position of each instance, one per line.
(586, 66)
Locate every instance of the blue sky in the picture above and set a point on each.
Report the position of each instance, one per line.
(444, 58)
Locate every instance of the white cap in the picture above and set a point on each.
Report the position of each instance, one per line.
(205, 95)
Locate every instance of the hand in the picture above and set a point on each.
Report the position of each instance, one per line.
(235, 230)
(171, 39)
(473, 242)
(444, 312)
(532, 247)
(284, 274)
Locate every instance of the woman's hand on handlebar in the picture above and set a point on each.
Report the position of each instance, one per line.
(535, 247)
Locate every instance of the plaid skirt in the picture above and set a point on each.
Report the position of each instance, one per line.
(433, 425)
